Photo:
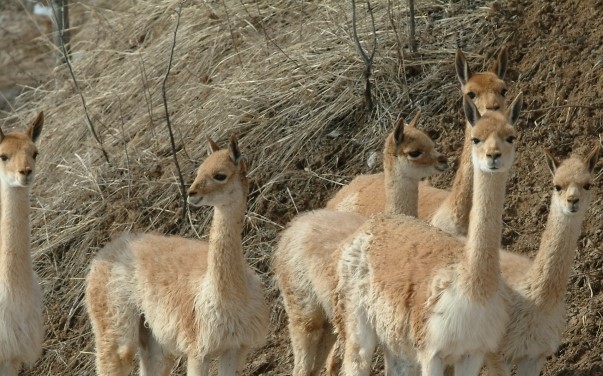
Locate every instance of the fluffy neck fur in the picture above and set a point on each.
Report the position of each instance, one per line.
(480, 273)
(547, 279)
(401, 190)
(459, 199)
(226, 264)
(15, 259)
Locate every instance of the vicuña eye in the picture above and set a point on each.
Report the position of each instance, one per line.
(557, 188)
(587, 186)
(4, 157)
(472, 95)
(475, 140)
(510, 139)
(503, 92)
(415, 154)
(220, 177)
(35, 155)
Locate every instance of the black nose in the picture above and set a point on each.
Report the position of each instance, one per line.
(494, 156)
(573, 200)
(25, 171)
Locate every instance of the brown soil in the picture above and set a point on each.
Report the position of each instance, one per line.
(298, 107)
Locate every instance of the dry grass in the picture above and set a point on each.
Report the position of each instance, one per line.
(283, 75)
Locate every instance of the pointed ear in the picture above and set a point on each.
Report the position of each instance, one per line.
(500, 65)
(462, 68)
(514, 109)
(212, 145)
(399, 131)
(1, 135)
(415, 120)
(551, 162)
(35, 128)
(471, 113)
(233, 148)
(593, 158)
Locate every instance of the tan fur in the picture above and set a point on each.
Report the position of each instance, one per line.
(306, 255)
(448, 210)
(21, 323)
(409, 286)
(539, 287)
(164, 296)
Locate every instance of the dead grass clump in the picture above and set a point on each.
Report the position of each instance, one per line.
(285, 77)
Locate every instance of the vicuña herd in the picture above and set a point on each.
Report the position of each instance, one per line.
(391, 261)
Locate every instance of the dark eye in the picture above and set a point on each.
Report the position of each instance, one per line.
(415, 154)
(472, 95)
(475, 140)
(4, 157)
(503, 92)
(220, 177)
(587, 186)
(557, 188)
(35, 155)
(510, 139)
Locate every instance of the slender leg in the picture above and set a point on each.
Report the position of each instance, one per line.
(530, 366)
(360, 345)
(335, 358)
(306, 337)
(497, 366)
(153, 359)
(9, 368)
(469, 365)
(326, 351)
(232, 362)
(396, 365)
(197, 367)
(433, 366)
(243, 352)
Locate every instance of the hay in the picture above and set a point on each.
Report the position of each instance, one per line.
(285, 76)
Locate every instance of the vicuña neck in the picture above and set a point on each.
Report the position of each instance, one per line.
(401, 192)
(15, 259)
(481, 270)
(459, 199)
(226, 264)
(548, 276)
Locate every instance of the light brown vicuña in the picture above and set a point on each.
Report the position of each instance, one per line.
(21, 322)
(419, 291)
(447, 210)
(169, 295)
(305, 258)
(539, 286)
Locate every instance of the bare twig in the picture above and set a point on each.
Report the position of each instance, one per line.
(412, 42)
(232, 36)
(79, 91)
(399, 49)
(368, 60)
(167, 113)
(60, 9)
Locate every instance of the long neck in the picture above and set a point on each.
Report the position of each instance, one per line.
(226, 264)
(401, 192)
(547, 280)
(459, 199)
(480, 274)
(15, 259)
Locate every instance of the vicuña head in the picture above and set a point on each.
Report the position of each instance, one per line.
(486, 89)
(18, 154)
(223, 167)
(572, 180)
(493, 149)
(410, 150)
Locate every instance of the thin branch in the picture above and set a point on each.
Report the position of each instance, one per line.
(232, 36)
(79, 91)
(399, 49)
(368, 60)
(167, 113)
(412, 42)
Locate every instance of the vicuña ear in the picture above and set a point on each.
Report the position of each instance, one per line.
(462, 68)
(212, 145)
(413, 123)
(1, 135)
(35, 128)
(551, 162)
(399, 131)
(500, 65)
(593, 158)
(471, 113)
(233, 148)
(514, 109)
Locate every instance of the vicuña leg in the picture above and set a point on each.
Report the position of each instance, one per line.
(232, 362)
(360, 343)
(399, 366)
(530, 366)
(433, 366)
(9, 368)
(306, 340)
(497, 366)
(153, 359)
(469, 365)
(197, 367)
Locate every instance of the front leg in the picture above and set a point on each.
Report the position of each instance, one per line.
(497, 365)
(232, 362)
(530, 366)
(469, 365)
(197, 367)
